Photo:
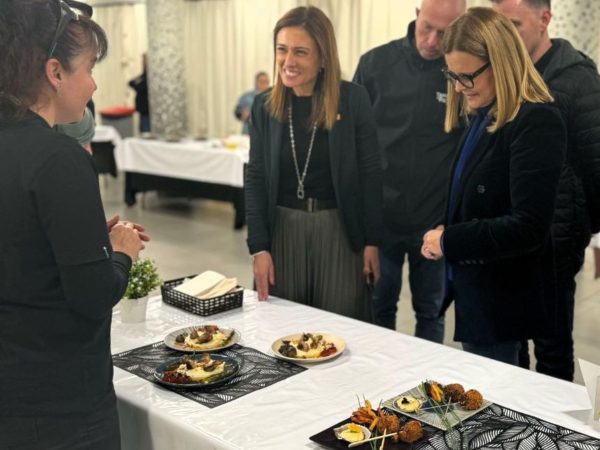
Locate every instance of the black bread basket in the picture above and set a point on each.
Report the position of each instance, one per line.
(194, 305)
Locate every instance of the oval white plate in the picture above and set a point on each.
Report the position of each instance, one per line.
(339, 344)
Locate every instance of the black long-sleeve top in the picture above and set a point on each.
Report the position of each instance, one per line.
(408, 94)
(318, 182)
(355, 170)
(59, 277)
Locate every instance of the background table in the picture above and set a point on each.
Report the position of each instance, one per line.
(107, 133)
(188, 168)
(106, 138)
(378, 363)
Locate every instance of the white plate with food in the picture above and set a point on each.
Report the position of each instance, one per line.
(202, 338)
(310, 347)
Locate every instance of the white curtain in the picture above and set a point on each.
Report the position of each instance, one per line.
(225, 44)
(125, 27)
(227, 41)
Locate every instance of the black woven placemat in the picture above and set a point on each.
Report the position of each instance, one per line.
(257, 371)
(498, 427)
(494, 428)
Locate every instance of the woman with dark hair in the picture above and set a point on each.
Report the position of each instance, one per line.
(62, 269)
(313, 182)
(495, 239)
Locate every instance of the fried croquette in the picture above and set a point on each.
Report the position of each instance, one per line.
(410, 432)
(388, 423)
(453, 392)
(471, 400)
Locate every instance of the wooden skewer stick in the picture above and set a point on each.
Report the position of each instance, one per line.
(383, 440)
(356, 444)
(426, 408)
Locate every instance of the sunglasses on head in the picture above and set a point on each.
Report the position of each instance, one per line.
(67, 14)
(465, 79)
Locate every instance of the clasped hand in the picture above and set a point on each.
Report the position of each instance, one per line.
(432, 247)
(126, 237)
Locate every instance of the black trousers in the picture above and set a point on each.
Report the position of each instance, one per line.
(555, 355)
(96, 431)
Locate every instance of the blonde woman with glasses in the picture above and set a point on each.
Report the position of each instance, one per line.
(495, 238)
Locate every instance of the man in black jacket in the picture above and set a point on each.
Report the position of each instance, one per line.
(408, 94)
(575, 84)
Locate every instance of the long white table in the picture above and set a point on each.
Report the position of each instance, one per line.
(206, 161)
(378, 363)
(106, 138)
(190, 168)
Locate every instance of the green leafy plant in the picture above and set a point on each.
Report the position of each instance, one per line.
(143, 278)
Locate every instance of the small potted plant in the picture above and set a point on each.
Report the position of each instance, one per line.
(143, 278)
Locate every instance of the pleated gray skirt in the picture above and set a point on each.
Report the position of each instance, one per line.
(314, 264)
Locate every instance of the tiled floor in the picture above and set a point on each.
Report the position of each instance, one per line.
(189, 237)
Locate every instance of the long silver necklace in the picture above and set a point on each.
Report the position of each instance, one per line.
(300, 189)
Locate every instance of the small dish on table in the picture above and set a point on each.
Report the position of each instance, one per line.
(313, 347)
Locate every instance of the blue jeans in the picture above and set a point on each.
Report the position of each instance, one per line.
(507, 351)
(426, 284)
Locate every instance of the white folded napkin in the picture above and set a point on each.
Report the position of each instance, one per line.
(221, 288)
(208, 284)
(200, 283)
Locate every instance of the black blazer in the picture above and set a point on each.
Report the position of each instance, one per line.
(355, 170)
(497, 238)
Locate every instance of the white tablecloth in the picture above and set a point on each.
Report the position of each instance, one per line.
(206, 161)
(106, 133)
(378, 363)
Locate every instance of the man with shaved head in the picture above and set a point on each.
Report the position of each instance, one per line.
(408, 94)
(575, 84)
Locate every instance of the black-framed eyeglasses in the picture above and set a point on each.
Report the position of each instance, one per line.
(67, 14)
(466, 79)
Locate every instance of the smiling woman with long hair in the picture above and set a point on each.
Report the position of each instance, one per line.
(61, 268)
(313, 183)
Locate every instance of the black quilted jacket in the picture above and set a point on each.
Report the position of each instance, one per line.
(575, 84)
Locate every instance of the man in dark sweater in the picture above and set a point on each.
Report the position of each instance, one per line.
(408, 94)
(575, 84)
